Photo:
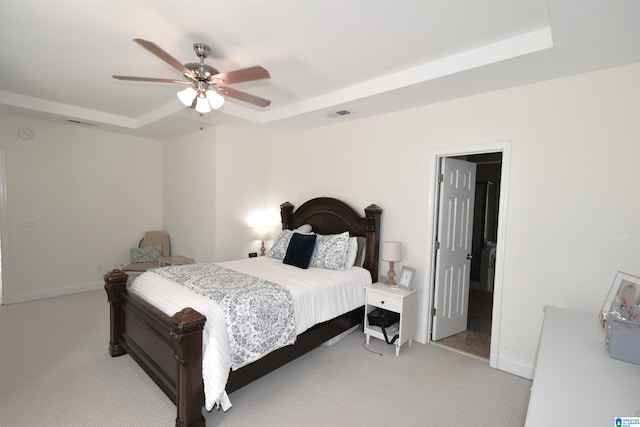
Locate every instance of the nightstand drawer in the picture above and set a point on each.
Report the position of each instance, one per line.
(385, 301)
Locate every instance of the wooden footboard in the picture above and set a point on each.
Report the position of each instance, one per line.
(169, 349)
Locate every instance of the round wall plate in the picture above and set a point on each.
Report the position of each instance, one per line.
(25, 133)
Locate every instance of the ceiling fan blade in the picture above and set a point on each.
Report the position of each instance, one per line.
(244, 75)
(242, 96)
(150, 79)
(157, 51)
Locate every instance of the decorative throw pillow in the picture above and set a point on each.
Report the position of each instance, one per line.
(300, 250)
(360, 257)
(146, 254)
(279, 248)
(331, 251)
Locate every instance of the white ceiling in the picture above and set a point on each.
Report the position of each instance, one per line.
(366, 56)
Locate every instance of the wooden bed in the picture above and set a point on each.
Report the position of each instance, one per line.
(169, 349)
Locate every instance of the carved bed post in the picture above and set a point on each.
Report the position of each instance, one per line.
(187, 326)
(115, 283)
(286, 209)
(372, 214)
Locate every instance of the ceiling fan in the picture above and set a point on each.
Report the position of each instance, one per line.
(207, 86)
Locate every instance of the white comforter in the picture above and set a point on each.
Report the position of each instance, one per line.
(318, 295)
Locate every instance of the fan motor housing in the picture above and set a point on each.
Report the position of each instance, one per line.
(202, 71)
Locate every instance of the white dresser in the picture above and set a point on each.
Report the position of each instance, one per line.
(576, 383)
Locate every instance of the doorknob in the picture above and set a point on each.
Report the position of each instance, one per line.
(469, 256)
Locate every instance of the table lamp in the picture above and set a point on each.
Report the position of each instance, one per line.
(262, 234)
(392, 253)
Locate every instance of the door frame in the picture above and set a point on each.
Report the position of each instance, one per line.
(3, 220)
(432, 223)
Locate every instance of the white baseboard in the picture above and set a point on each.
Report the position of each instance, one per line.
(420, 336)
(50, 293)
(515, 368)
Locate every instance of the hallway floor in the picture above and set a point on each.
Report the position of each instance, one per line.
(477, 338)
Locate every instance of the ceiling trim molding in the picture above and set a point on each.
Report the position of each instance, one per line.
(524, 44)
(65, 110)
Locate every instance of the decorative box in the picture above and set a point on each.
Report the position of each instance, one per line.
(623, 339)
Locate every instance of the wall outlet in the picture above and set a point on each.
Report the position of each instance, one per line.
(28, 222)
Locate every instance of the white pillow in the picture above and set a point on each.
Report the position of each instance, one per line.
(352, 252)
(304, 229)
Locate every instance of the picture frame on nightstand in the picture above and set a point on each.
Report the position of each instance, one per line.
(406, 278)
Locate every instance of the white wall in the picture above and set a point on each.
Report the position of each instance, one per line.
(206, 221)
(572, 209)
(92, 194)
(189, 201)
(243, 163)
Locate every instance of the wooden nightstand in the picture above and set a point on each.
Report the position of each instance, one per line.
(398, 300)
(174, 260)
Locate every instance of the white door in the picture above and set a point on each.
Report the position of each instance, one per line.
(453, 259)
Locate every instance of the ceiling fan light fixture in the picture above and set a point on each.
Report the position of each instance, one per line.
(215, 99)
(187, 96)
(202, 105)
(203, 78)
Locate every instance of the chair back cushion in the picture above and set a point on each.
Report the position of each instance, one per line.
(157, 238)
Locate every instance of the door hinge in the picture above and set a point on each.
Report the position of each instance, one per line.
(433, 312)
(436, 245)
(441, 177)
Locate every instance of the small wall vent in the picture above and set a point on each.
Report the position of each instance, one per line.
(78, 122)
(339, 113)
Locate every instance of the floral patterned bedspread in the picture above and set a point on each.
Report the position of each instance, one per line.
(259, 314)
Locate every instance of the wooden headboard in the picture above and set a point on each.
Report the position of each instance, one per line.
(332, 216)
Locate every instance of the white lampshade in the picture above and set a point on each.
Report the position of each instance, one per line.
(215, 99)
(202, 105)
(262, 233)
(392, 251)
(187, 96)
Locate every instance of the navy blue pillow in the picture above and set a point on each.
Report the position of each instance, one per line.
(300, 249)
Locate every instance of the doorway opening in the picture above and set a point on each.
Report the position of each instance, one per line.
(476, 338)
(485, 273)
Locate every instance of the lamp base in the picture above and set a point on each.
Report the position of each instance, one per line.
(262, 249)
(391, 276)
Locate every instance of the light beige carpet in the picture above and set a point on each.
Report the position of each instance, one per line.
(55, 376)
